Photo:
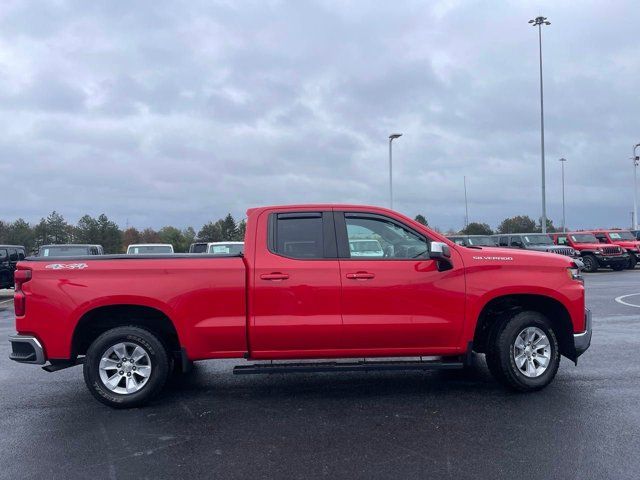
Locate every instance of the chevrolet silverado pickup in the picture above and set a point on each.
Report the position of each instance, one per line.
(298, 300)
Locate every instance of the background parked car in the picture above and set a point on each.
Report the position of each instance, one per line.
(225, 248)
(69, 250)
(540, 242)
(624, 239)
(149, 248)
(10, 255)
(199, 247)
(474, 240)
(594, 255)
(367, 247)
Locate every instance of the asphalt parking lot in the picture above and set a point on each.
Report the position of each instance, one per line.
(377, 425)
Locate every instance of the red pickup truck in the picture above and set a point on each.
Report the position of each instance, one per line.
(299, 292)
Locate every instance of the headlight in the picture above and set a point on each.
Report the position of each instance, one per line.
(574, 273)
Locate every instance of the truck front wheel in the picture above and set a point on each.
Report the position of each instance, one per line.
(524, 353)
(590, 263)
(125, 367)
(632, 262)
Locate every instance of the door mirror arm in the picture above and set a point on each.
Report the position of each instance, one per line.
(441, 253)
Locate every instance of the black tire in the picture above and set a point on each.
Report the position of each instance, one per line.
(632, 262)
(590, 263)
(618, 268)
(500, 354)
(155, 351)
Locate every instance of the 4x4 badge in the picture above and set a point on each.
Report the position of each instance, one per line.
(66, 266)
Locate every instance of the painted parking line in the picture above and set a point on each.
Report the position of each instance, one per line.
(6, 301)
(621, 300)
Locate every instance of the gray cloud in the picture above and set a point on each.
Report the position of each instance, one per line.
(177, 113)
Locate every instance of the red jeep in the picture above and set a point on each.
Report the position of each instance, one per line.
(622, 238)
(594, 254)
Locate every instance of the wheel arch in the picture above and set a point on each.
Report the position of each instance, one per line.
(100, 319)
(497, 308)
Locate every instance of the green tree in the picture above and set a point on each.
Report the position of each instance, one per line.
(242, 229)
(173, 236)
(53, 229)
(149, 235)
(189, 235)
(421, 219)
(211, 232)
(87, 230)
(518, 224)
(550, 227)
(476, 228)
(229, 228)
(109, 234)
(20, 233)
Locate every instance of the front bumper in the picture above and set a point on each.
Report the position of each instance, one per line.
(612, 260)
(26, 349)
(582, 341)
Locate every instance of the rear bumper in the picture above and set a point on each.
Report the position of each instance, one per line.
(582, 341)
(26, 349)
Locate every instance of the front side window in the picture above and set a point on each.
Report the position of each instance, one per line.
(299, 236)
(504, 241)
(516, 242)
(20, 254)
(13, 255)
(379, 238)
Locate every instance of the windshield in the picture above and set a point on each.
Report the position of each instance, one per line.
(537, 239)
(60, 251)
(621, 236)
(584, 238)
(149, 249)
(226, 249)
(481, 242)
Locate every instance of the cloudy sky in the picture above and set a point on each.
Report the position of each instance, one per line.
(177, 112)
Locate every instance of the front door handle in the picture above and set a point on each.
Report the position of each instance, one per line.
(360, 276)
(274, 276)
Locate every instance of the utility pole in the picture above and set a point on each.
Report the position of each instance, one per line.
(564, 225)
(538, 22)
(635, 159)
(392, 137)
(466, 204)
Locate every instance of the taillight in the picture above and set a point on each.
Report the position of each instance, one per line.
(19, 300)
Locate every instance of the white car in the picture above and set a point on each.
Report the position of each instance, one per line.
(149, 248)
(365, 248)
(225, 248)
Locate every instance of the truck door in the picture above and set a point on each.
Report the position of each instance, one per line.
(397, 302)
(295, 306)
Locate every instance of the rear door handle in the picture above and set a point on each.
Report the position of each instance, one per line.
(361, 276)
(274, 276)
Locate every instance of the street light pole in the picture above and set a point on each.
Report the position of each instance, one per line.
(564, 225)
(538, 22)
(466, 205)
(392, 137)
(635, 187)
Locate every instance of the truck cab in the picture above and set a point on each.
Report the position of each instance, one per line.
(594, 254)
(624, 239)
(10, 255)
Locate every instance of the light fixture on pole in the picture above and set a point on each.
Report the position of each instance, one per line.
(392, 137)
(635, 186)
(564, 225)
(538, 22)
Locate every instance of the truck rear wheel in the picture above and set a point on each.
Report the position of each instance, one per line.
(125, 367)
(590, 263)
(524, 354)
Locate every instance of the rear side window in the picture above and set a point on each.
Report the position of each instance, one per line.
(13, 255)
(299, 235)
(3, 255)
(516, 241)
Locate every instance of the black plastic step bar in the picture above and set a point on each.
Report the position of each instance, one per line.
(359, 366)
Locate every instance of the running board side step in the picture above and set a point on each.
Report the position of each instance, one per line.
(360, 366)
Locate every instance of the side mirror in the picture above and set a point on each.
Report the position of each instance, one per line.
(439, 251)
